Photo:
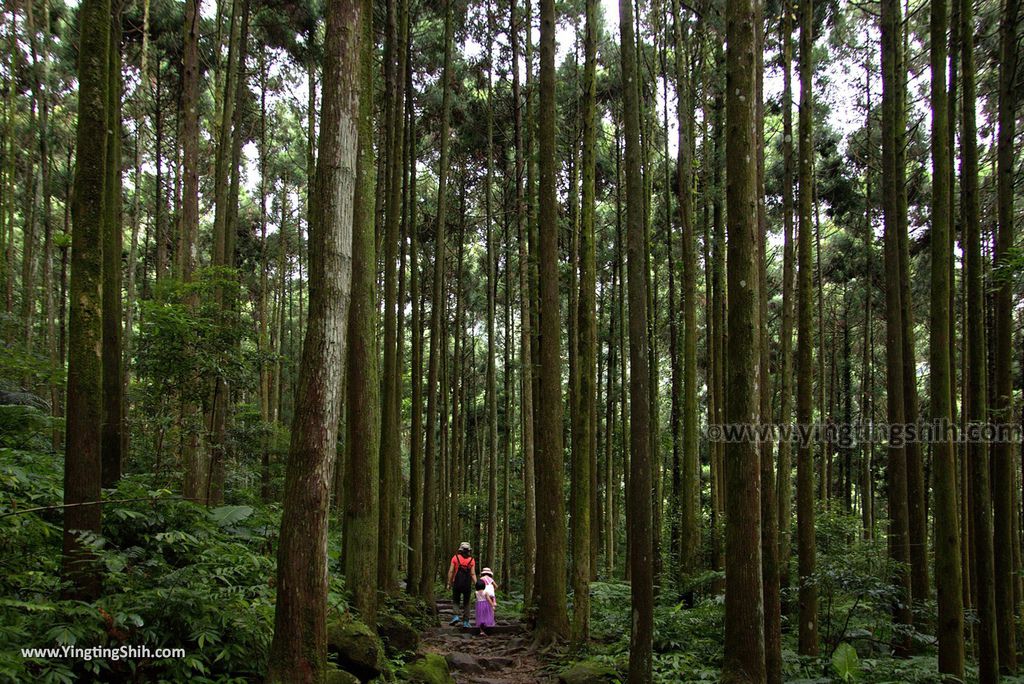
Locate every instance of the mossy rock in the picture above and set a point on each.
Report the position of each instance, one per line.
(356, 649)
(398, 634)
(587, 672)
(431, 669)
(336, 676)
(417, 611)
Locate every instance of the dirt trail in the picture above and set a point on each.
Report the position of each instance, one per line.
(503, 657)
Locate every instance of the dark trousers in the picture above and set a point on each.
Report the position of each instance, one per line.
(460, 599)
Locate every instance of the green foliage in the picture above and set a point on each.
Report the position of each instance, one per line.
(845, 662)
(176, 575)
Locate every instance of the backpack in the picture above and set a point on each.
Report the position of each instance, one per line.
(463, 580)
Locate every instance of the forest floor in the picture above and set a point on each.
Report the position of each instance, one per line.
(505, 656)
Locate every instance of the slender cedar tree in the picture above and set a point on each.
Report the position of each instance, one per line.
(188, 234)
(689, 499)
(216, 417)
(363, 465)
(426, 579)
(113, 377)
(769, 514)
(785, 467)
(492, 294)
(808, 629)
(584, 441)
(525, 339)
(744, 606)
(976, 381)
(298, 652)
(640, 510)
(896, 471)
(82, 459)
(948, 577)
(390, 457)
(414, 567)
(552, 619)
(1002, 395)
(364, 510)
(1003, 478)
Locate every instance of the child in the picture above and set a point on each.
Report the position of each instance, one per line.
(484, 606)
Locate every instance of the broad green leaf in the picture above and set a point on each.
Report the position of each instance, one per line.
(229, 515)
(845, 662)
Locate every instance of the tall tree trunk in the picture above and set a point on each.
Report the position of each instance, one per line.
(82, 460)
(492, 293)
(785, 466)
(525, 344)
(975, 380)
(426, 579)
(744, 606)
(805, 380)
(896, 471)
(113, 389)
(552, 620)
(298, 652)
(364, 508)
(415, 561)
(584, 438)
(769, 513)
(640, 512)
(188, 230)
(1002, 390)
(948, 576)
(391, 383)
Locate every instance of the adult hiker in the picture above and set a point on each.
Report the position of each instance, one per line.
(461, 580)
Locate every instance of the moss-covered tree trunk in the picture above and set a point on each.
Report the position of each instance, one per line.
(525, 333)
(1002, 394)
(437, 346)
(113, 378)
(785, 465)
(744, 603)
(298, 652)
(948, 573)
(640, 511)
(552, 619)
(390, 448)
(976, 380)
(82, 455)
(896, 471)
(584, 434)
(363, 515)
(808, 600)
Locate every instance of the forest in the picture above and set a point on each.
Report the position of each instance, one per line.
(511, 341)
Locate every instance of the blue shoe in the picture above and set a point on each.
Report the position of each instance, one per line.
(465, 623)
(455, 621)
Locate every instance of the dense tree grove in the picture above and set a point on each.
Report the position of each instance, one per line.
(699, 323)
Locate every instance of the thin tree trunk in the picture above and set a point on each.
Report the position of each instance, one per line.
(426, 579)
(1002, 390)
(113, 377)
(804, 410)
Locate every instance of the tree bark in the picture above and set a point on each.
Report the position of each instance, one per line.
(82, 459)
(744, 605)
(298, 652)
(808, 629)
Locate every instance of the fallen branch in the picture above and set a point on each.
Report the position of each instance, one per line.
(90, 503)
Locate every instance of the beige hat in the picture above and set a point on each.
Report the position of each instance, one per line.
(486, 571)
(464, 545)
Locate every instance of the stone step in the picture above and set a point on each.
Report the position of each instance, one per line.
(500, 628)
